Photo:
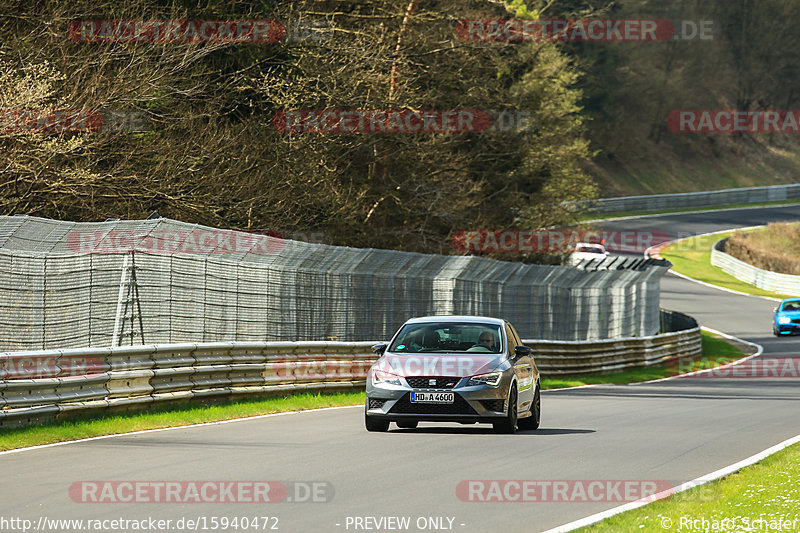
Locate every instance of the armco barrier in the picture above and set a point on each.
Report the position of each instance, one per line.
(657, 202)
(34, 388)
(763, 279)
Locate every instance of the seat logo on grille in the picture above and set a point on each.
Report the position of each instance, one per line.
(432, 382)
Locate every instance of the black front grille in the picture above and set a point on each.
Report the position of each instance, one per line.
(458, 407)
(432, 382)
(376, 403)
(494, 405)
(796, 321)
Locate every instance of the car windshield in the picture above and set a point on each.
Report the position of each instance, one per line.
(590, 249)
(448, 337)
(791, 306)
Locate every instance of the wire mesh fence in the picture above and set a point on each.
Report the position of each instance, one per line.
(65, 285)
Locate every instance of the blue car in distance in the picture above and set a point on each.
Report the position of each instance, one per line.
(787, 317)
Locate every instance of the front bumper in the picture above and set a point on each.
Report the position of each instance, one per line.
(476, 403)
(787, 329)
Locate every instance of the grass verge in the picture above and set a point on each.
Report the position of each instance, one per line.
(767, 491)
(182, 414)
(692, 257)
(715, 352)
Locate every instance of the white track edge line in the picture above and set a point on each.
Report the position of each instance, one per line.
(702, 480)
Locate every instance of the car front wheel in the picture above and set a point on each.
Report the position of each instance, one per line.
(532, 422)
(509, 423)
(375, 424)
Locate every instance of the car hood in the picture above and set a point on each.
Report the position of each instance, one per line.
(790, 314)
(449, 365)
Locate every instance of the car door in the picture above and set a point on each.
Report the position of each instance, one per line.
(523, 368)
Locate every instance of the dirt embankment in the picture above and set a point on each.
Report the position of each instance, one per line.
(776, 248)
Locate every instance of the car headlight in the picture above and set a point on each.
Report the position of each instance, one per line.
(492, 378)
(379, 376)
(784, 320)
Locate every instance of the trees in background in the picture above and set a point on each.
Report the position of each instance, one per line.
(211, 153)
(207, 150)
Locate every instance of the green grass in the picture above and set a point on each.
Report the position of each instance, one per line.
(766, 490)
(692, 257)
(594, 216)
(182, 414)
(715, 352)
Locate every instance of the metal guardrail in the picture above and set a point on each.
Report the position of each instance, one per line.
(613, 355)
(657, 202)
(46, 385)
(140, 375)
(763, 279)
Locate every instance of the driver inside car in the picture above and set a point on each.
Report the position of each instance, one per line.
(485, 342)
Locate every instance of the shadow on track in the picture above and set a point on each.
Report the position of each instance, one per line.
(487, 430)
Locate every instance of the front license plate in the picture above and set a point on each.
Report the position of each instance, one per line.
(432, 397)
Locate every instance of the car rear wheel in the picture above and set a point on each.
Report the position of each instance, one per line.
(532, 422)
(509, 423)
(407, 424)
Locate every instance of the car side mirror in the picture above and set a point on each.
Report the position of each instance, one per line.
(379, 348)
(522, 350)
(774, 309)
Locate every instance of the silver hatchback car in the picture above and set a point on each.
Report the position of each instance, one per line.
(463, 369)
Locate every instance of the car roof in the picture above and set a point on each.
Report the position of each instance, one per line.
(790, 300)
(457, 318)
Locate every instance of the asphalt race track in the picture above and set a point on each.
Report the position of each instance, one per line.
(666, 432)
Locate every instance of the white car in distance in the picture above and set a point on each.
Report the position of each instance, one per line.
(587, 251)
